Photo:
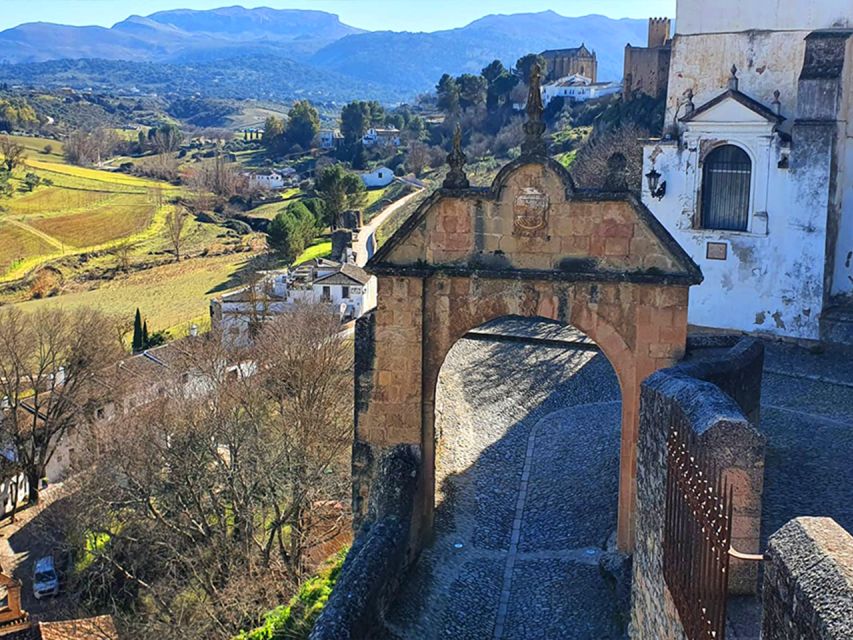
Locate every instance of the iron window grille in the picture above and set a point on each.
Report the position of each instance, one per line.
(726, 180)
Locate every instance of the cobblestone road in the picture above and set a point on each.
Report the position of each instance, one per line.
(526, 498)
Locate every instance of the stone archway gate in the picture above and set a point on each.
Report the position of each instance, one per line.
(529, 245)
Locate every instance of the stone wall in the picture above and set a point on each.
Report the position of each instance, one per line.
(808, 582)
(738, 375)
(679, 396)
(646, 71)
(379, 555)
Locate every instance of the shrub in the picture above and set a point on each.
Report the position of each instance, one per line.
(295, 620)
(291, 231)
(45, 283)
(31, 181)
(238, 225)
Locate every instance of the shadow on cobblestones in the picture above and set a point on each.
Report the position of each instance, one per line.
(526, 479)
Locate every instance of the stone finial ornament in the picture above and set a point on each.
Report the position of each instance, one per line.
(456, 177)
(534, 128)
(689, 107)
(733, 81)
(777, 104)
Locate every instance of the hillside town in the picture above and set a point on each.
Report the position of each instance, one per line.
(557, 349)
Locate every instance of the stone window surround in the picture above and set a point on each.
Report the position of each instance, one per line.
(758, 142)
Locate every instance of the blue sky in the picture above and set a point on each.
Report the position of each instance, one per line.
(397, 15)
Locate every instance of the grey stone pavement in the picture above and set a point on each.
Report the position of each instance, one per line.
(527, 481)
(807, 416)
(527, 472)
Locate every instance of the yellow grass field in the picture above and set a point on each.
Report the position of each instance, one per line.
(56, 199)
(169, 296)
(121, 216)
(81, 209)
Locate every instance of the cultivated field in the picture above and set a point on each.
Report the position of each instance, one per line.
(73, 210)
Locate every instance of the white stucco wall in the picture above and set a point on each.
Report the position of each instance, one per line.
(772, 280)
(779, 280)
(700, 16)
(766, 62)
(842, 276)
(381, 177)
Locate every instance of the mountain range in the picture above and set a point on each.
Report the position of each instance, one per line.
(340, 60)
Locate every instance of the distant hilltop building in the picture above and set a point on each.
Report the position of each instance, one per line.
(646, 69)
(578, 88)
(560, 63)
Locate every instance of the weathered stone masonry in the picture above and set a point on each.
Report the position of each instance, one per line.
(532, 246)
(684, 396)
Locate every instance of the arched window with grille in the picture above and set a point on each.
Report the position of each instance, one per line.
(726, 178)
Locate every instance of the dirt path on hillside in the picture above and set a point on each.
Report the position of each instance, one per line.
(41, 234)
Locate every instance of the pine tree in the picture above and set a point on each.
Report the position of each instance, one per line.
(145, 339)
(136, 344)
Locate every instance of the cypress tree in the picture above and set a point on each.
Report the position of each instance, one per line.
(136, 344)
(145, 340)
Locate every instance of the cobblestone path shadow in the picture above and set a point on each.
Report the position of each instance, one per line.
(527, 475)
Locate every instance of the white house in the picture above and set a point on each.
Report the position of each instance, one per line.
(270, 181)
(381, 177)
(329, 138)
(754, 177)
(578, 88)
(381, 137)
(348, 289)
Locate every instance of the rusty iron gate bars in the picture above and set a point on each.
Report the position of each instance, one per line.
(697, 537)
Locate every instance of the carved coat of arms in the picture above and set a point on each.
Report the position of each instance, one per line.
(530, 211)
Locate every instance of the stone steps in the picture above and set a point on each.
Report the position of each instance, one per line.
(836, 325)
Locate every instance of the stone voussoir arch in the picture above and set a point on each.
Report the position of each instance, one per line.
(531, 244)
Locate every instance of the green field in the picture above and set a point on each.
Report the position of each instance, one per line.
(79, 210)
(170, 297)
(320, 249)
(270, 210)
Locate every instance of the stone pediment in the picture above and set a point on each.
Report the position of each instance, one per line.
(533, 223)
(733, 107)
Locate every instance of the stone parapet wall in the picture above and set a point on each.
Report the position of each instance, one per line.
(737, 373)
(808, 582)
(379, 555)
(675, 397)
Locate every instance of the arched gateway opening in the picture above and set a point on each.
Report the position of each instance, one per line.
(526, 483)
(530, 245)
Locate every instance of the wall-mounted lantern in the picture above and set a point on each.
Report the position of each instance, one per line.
(656, 187)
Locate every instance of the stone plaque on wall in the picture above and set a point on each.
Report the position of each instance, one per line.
(530, 211)
(717, 251)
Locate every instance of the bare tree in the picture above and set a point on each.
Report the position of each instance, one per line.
(611, 160)
(122, 253)
(162, 166)
(223, 486)
(84, 147)
(176, 224)
(12, 153)
(418, 157)
(218, 176)
(51, 363)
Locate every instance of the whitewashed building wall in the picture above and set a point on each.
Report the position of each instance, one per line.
(795, 255)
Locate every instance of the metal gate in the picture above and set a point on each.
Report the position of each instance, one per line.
(697, 537)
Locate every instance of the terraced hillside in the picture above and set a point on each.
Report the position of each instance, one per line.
(73, 210)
